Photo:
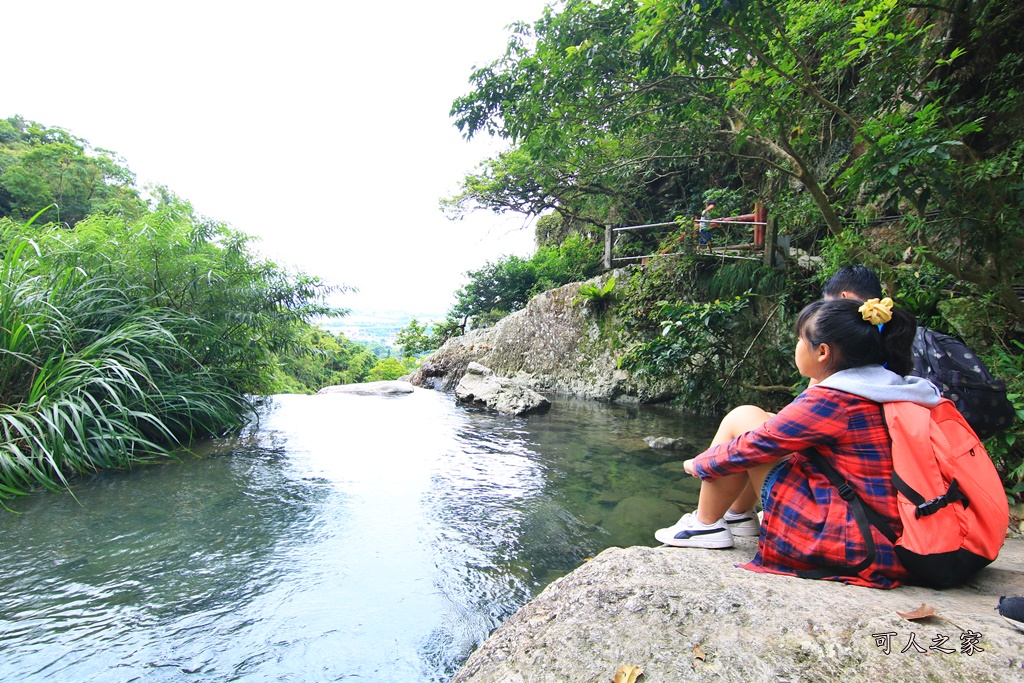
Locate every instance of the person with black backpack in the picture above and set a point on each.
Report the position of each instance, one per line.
(852, 484)
(943, 360)
(808, 528)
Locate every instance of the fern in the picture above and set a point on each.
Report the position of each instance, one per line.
(597, 297)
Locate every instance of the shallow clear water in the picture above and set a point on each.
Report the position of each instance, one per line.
(343, 537)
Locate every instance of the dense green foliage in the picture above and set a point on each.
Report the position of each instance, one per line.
(626, 111)
(505, 286)
(879, 131)
(387, 369)
(131, 327)
(94, 376)
(414, 340)
(729, 348)
(122, 339)
(48, 168)
(320, 359)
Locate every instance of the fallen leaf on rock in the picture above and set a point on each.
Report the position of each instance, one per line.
(698, 656)
(924, 612)
(920, 613)
(627, 674)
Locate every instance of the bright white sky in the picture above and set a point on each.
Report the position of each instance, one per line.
(320, 127)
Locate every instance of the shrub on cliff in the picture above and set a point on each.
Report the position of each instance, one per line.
(122, 339)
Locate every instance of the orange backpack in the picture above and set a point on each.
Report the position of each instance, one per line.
(950, 497)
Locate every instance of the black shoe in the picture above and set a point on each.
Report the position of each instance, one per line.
(1012, 609)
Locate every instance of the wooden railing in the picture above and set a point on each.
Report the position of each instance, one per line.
(732, 248)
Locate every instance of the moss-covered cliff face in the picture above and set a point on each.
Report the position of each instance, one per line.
(556, 344)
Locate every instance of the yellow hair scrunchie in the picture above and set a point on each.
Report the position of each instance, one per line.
(877, 312)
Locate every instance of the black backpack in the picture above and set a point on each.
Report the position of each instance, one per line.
(963, 379)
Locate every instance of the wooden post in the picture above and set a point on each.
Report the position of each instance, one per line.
(607, 247)
(770, 251)
(760, 216)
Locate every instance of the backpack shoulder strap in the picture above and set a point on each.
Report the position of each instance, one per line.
(863, 514)
(911, 424)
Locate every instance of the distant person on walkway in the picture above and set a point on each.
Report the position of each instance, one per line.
(853, 367)
(943, 360)
(704, 226)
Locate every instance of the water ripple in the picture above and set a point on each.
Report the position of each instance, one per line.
(342, 537)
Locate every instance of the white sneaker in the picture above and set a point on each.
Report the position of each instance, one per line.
(688, 532)
(743, 523)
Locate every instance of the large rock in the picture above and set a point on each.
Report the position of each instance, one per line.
(667, 449)
(634, 517)
(555, 344)
(480, 386)
(649, 607)
(669, 443)
(382, 388)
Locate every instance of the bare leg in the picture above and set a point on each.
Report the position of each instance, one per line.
(747, 498)
(738, 492)
(738, 421)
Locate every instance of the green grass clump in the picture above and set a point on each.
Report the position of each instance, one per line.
(91, 378)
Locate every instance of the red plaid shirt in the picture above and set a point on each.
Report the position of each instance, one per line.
(807, 525)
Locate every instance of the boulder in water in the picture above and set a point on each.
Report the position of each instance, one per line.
(480, 386)
(382, 388)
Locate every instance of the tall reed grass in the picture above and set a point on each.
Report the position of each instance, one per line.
(92, 376)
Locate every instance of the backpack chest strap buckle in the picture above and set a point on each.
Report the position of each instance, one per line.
(952, 495)
(846, 491)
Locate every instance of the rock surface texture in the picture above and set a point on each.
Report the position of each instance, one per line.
(555, 344)
(383, 388)
(651, 607)
(480, 386)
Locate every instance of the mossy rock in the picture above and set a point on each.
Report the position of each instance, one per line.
(634, 519)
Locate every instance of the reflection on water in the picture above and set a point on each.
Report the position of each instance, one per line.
(372, 538)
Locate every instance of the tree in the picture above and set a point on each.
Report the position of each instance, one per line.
(811, 88)
(41, 167)
(359, 365)
(500, 287)
(574, 259)
(626, 111)
(387, 369)
(414, 339)
(565, 93)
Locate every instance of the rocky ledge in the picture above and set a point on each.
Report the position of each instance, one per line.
(555, 344)
(382, 388)
(689, 614)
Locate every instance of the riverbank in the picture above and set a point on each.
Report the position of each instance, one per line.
(692, 614)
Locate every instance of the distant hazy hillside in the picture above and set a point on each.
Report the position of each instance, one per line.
(378, 326)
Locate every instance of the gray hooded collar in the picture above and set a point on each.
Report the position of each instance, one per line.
(875, 383)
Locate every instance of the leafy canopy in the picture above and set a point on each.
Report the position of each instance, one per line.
(626, 111)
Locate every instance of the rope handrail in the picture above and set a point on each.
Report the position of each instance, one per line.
(711, 221)
(703, 223)
(670, 253)
(646, 225)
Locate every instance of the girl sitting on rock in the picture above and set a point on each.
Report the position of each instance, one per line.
(856, 355)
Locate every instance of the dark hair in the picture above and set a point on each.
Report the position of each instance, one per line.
(860, 281)
(854, 341)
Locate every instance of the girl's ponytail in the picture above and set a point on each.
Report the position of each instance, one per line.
(898, 341)
(873, 332)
